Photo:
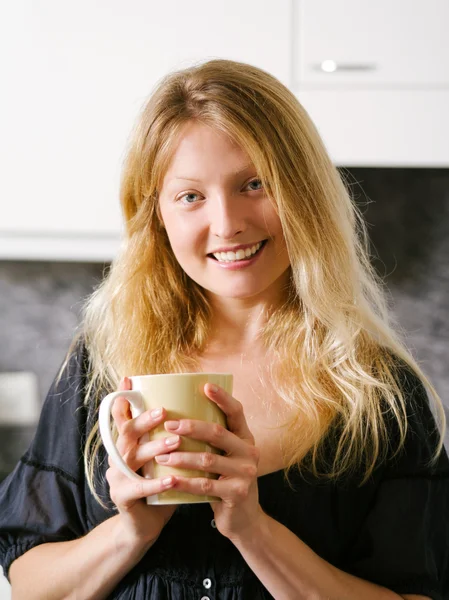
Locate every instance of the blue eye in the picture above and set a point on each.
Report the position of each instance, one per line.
(257, 182)
(187, 196)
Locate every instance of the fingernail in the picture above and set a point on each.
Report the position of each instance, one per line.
(213, 389)
(162, 458)
(167, 481)
(156, 412)
(172, 440)
(172, 424)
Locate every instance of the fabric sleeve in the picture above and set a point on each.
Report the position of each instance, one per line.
(42, 499)
(404, 542)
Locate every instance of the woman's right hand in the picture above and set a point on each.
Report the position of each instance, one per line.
(143, 523)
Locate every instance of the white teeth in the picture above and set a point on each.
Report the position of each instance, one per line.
(239, 255)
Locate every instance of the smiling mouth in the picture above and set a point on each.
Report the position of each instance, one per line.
(235, 259)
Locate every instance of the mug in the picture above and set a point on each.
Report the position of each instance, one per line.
(183, 397)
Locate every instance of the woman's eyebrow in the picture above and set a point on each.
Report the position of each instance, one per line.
(245, 169)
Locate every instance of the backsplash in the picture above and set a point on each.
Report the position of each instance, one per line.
(408, 213)
(40, 305)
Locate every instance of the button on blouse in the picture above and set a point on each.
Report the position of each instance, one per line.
(207, 583)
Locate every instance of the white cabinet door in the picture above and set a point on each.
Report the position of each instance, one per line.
(381, 44)
(75, 75)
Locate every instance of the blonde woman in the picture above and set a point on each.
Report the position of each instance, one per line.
(243, 253)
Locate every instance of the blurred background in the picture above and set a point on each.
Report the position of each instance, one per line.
(373, 76)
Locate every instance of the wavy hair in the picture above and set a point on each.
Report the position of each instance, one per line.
(337, 350)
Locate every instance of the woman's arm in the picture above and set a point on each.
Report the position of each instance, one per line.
(288, 568)
(88, 568)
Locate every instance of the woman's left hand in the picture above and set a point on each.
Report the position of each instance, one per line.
(239, 510)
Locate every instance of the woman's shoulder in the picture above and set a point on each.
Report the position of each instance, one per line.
(73, 369)
(423, 435)
(62, 422)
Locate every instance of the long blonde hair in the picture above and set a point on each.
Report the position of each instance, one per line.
(336, 350)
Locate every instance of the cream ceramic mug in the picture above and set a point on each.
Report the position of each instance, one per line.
(183, 397)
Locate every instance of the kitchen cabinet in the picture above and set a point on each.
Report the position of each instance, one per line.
(387, 128)
(374, 77)
(75, 76)
(388, 44)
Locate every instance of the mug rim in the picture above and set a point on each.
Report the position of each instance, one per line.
(174, 374)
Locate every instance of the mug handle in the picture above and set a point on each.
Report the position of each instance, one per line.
(135, 399)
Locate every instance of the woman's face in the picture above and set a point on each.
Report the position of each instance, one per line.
(212, 203)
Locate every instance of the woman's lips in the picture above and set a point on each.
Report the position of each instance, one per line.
(240, 264)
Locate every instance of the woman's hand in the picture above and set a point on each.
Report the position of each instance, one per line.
(143, 523)
(239, 510)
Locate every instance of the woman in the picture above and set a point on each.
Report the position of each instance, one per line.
(243, 254)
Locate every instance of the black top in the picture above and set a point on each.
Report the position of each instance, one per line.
(393, 531)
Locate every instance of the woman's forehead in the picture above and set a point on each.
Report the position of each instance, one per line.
(201, 152)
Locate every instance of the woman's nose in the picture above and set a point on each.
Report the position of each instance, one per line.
(227, 218)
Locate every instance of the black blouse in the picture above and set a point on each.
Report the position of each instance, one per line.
(393, 531)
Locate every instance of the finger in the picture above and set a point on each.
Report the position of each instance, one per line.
(124, 491)
(131, 438)
(233, 410)
(210, 463)
(212, 433)
(235, 490)
(143, 423)
(125, 384)
(121, 411)
(139, 455)
(122, 415)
